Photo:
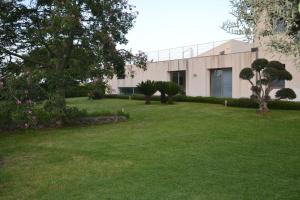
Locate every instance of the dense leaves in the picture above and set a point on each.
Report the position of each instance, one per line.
(48, 46)
(267, 72)
(162, 88)
(172, 89)
(147, 88)
(246, 74)
(285, 93)
(278, 21)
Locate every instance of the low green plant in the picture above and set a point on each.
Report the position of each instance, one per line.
(162, 87)
(96, 94)
(172, 89)
(242, 102)
(148, 89)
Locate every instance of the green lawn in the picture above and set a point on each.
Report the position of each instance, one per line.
(184, 151)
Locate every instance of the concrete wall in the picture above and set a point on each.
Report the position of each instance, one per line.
(197, 73)
(237, 56)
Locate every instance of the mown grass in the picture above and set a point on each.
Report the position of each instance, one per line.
(182, 151)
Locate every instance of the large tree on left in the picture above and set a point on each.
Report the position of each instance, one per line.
(66, 39)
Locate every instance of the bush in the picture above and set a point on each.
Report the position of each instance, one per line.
(5, 115)
(242, 102)
(78, 91)
(148, 89)
(96, 94)
(172, 89)
(161, 86)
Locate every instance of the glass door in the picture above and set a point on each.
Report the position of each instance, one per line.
(221, 83)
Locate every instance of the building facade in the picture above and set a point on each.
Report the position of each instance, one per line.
(214, 72)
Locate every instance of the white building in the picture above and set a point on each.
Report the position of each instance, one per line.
(201, 71)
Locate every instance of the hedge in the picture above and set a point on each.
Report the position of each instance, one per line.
(78, 91)
(242, 102)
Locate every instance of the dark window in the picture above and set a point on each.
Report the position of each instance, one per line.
(278, 84)
(121, 77)
(179, 78)
(279, 25)
(128, 90)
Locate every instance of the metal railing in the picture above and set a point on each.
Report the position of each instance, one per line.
(187, 51)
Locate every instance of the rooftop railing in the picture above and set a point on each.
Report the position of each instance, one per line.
(187, 51)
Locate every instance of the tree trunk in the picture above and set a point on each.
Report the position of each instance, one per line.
(163, 98)
(147, 100)
(263, 107)
(60, 91)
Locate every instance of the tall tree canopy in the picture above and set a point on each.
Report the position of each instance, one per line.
(278, 20)
(66, 40)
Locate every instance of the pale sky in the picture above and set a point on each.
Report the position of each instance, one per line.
(163, 24)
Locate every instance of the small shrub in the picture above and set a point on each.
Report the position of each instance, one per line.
(172, 89)
(162, 87)
(78, 91)
(148, 89)
(122, 113)
(96, 94)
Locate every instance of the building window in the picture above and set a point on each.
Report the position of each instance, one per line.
(278, 84)
(179, 77)
(221, 83)
(128, 90)
(279, 25)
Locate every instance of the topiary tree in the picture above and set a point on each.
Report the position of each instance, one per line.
(266, 73)
(171, 90)
(162, 87)
(148, 89)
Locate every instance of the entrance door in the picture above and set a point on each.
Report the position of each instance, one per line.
(221, 83)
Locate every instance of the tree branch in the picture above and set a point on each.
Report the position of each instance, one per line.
(43, 65)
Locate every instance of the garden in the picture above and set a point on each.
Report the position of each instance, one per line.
(64, 136)
(181, 151)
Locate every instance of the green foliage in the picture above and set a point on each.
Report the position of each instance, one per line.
(280, 20)
(162, 88)
(5, 114)
(96, 94)
(242, 102)
(97, 91)
(147, 88)
(259, 64)
(172, 89)
(285, 93)
(246, 74)
(78, 91)
(267, 72)
(48, 47)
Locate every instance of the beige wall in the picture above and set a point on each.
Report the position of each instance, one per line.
(197, 73)
(237, 57)
(265, 52)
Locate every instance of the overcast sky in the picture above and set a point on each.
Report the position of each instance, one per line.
(163, 24)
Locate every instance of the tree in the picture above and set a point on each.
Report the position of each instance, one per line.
(162, 87)
(172, 89)
(279, 21)
(267, 73)
(148, 89)
(66, 40)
